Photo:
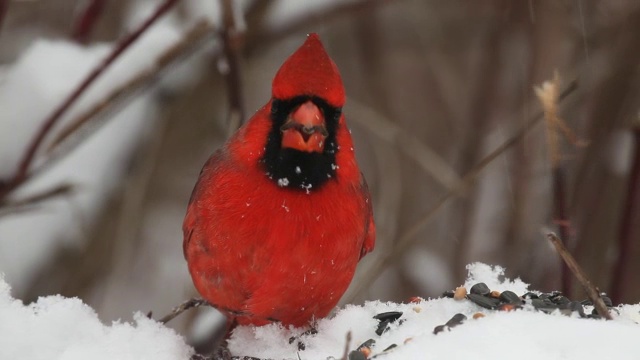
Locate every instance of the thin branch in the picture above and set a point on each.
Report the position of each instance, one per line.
(18, 206)
(86, 22)
(409, 237)
(630, 225)
(4, 7)
(261, 36)
(347, 345)
(561, 219)
(191, 41)
(591, 290)
(548, 93)
(429, 160)
(189, 304)
(85, 123)
(233, 40)
(21, 174)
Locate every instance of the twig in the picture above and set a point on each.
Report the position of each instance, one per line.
(560, 218)
(87, 20)
(260, 36)
(233, 40)
(592, 293)
(191, 303)
(347, 345)
(30, 203)
(548, 95)
(409, 237)
(4, 6)
(64, 143)
(385, 129)
(630, 225)
(190, 41)
(23, 168)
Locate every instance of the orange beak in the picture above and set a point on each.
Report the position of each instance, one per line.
(305, 129)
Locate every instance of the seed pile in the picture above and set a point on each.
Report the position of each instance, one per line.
(481, 295)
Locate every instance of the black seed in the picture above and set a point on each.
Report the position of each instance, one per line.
(545, 304)
(530, 295)
(292, 339)
(390, 315)
(448, 294)
(480, 289)
(301, 346)
(485, 302)
(439, 328)
(561, 300)
(510, 297)
(390, 347)
(383, 326)
(357, 355)
(367, 344)
(577, 306)
(456, 320)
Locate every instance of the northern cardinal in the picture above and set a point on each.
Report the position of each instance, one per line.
(281, 215)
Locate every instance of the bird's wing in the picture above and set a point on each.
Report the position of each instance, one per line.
(190, 219)
(370, 227)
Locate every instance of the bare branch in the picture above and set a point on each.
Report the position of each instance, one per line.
(629, 227)
(347, 345)
(261, 36)
(4, 6)
(31, 202)
(548, 95)
(430, 161)
(409, 237)
(592, 293)
(233, 39)
(86, 22)
(191, 40)
(23, 168)
(189, 304)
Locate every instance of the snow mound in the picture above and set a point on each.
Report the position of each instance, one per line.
(55, 327)
(523, 334)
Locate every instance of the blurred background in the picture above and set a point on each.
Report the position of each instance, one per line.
(434, 88)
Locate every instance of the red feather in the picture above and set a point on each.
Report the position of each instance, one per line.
(260, 252)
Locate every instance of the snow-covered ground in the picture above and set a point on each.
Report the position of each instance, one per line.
(60, 328)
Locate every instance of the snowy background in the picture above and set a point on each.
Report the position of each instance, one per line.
(432, 86)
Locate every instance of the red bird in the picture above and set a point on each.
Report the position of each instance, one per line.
(281, 215)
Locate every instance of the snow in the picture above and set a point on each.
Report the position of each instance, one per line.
(30, 89)
(55, 327)
(66, 329)
(521, 334)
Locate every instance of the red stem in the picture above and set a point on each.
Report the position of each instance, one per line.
(48, 124)
(561, 219)
(629, 227)
(4, 5)
(87, 20)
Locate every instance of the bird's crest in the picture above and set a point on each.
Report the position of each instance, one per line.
(309, 71)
